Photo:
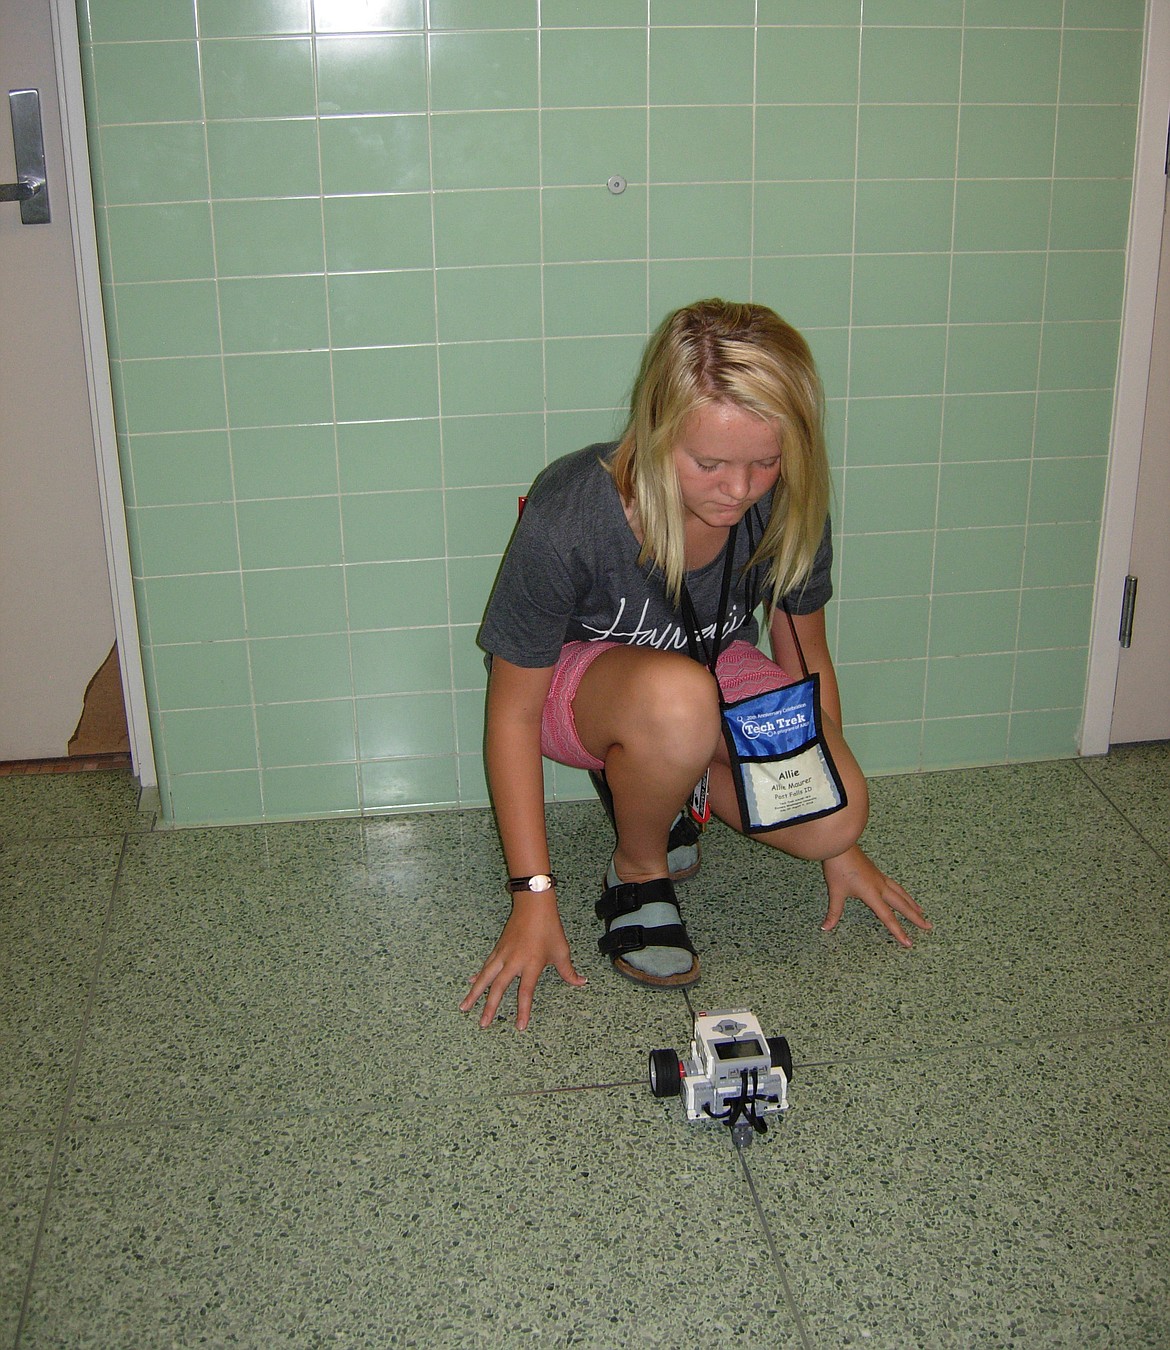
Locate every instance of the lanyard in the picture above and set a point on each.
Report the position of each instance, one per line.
(696, 642)
(697, 646)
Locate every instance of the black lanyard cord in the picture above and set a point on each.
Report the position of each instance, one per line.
(697, 646)
(696, 642)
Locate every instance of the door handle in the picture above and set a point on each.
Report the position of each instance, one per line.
(31, 189)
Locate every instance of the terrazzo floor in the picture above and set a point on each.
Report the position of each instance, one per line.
(240, 1107)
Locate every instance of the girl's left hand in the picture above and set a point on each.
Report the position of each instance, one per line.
(852, 874)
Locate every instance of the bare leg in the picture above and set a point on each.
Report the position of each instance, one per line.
(653, 719)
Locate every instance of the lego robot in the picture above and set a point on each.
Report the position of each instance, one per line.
(735, 1074)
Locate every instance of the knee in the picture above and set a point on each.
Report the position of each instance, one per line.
(677, 703)
(844, 828)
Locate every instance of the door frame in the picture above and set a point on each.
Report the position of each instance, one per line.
(67, 56)
(1143, 255)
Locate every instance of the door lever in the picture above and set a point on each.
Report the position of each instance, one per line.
(31, 189)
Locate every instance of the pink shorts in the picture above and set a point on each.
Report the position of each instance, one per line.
(742, 669)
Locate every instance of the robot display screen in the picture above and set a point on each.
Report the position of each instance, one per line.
(738, 1049)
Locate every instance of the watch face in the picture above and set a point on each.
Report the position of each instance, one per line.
(540, 883)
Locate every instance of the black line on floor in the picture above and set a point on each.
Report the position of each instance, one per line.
(63, 1123)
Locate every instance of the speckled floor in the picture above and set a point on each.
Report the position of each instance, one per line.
(238, 1105)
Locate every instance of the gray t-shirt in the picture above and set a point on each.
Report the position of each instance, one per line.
(571, 574)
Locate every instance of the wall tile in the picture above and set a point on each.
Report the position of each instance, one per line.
(202, 675)
(988, 426)
(485, 303)
(401, 661)
(313, 546)
(374, 154)
(383, 382)
(387, 525)
(916, 65)
(178, 468)
(271, 314)
(167, 318)
(367, 234)
(1095, 142)
(907, 288)
(710, 145)
(165, 90)
(254, 18)
(902, 497)
(477, 228)
(271, 390)
(803, 143)
(284, 461)
(590, 145)
(999, 64)
(907, 142)
(973, 556)
(366, 16)
(483, 13)
(264, 159)
(268, 238)
(582, 224)
(204, 740)
(291, 531)
(371, 74)
(701, 65)
(293, 669)
(905, 217)
(298, 600)
(207, 608)
(371, 309)
(272, 77)
(491, 377)
(164, 162)
(395, 594)
(171, 242)
(807, 65)
(381, 456)
(483, 70)
(176, 395)
(594, 298)
(979, 623)
(894, 430)
(305, 733)
(138, 21)
(332, 787)
(484, 150)
(1008, 287)
(603, 68)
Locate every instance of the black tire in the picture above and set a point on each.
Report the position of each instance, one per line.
(781, 1055)
(665, 1073)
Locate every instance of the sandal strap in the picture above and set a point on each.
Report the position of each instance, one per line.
(629, 896)
(634, 937)
(685, 831)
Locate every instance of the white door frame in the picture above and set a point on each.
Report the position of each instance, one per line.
(1137, 332)
(67, 54)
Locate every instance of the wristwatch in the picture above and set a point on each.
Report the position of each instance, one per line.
(541, 882)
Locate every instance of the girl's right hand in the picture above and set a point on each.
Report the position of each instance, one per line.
(533, 938)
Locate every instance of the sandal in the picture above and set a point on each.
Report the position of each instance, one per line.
(682, 857)
(660, 937)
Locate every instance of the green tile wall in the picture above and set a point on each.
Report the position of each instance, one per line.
(364, 277)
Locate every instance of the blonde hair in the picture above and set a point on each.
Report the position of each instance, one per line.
(718, 351)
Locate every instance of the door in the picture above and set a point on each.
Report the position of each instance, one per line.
(1141, 706)
(56, 612)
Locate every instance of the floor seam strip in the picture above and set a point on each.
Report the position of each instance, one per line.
(64, 1121)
